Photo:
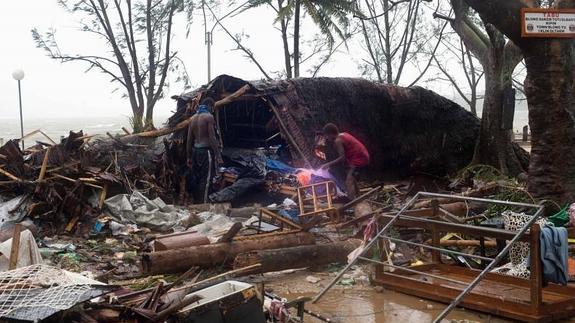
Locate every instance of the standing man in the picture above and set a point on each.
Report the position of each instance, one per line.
(349, 150)
(203, 151)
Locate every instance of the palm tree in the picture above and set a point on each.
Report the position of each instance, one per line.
(331, 16)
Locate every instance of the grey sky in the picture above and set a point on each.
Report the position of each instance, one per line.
(51, 89)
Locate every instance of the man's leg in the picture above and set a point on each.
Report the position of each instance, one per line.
(351, 183)
(201, 172)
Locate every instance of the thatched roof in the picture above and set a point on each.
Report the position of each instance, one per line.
(405, 129)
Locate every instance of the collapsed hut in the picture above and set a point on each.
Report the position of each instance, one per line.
(407, 130)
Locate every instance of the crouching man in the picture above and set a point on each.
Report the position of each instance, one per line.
(351, 152)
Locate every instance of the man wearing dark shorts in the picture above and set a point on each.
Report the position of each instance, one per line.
(203, 151)
(349, 150)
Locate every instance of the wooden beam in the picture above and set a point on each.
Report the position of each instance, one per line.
(359, 199)
(183, 124)
(74, 181)
(10, 176)
(280, 218)
(15, 249)
(44, 165)
(287, 133)
(103, 196)
(535, 279)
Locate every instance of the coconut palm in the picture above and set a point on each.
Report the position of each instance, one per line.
(331, 17)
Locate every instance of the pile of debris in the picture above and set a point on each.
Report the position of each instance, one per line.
(116, 208)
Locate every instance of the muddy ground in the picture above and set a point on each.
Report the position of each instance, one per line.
(364, 304)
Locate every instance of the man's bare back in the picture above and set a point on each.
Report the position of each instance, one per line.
(201, 134)
(199, 126)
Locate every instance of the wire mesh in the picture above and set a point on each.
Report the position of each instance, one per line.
(37, 291)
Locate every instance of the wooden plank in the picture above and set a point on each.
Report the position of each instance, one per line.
(360, 219)
(535, 267)
(326, 211)
(301, 201)
(44, 165)
(281, 218)
(71, 224)
(15, 250)
(103, 196)
(359, 199)
(74, 181)
(10, 176)
(502, 307)
(287, 133)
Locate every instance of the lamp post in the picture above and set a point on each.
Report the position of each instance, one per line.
(18, 75)
(209, 34)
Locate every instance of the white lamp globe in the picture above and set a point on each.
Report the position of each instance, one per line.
(18, 74)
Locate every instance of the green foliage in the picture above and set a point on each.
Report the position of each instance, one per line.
(509, 188)
(331, 16)
(485, 173)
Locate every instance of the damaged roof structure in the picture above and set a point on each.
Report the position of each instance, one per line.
(406, 129)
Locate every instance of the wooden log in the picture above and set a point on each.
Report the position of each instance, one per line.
(297, 257)
(179, 260)
(180, 240)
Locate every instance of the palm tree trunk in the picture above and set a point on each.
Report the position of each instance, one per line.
(296, 26)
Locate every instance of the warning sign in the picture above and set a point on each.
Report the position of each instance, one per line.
(550, 23)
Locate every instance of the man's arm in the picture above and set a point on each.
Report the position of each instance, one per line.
(341, 155)
(190, 145)
(213, 140)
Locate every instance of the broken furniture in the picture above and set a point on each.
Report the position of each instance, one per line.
(512, 297)
(317, 199)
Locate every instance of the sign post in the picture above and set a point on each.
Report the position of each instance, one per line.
(547, 23)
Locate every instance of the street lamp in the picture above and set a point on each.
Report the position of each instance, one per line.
(18, 75)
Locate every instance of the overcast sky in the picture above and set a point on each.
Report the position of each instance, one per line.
(51, 89)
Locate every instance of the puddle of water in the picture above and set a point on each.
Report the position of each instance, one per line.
(359, 304)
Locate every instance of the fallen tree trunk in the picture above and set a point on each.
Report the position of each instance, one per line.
(179, 260)
(297, 257)
(184, 124)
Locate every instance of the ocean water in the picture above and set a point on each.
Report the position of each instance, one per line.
(57, 127)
